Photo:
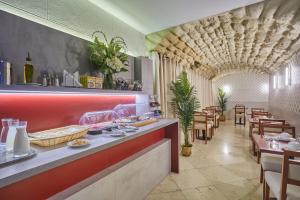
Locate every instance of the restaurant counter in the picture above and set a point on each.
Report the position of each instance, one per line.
(53, 170)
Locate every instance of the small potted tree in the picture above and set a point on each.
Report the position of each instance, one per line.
(184, 103)
(222, 102)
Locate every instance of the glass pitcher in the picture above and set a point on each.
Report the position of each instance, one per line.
(10, 139)
(21, 144)
(4, 130)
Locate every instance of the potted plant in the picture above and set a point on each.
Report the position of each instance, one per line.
(184, 103)
(222, 102)
(108, 56)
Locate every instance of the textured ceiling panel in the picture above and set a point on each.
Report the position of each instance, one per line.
(256, 38)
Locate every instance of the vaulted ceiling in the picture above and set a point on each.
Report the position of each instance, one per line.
(256, 38)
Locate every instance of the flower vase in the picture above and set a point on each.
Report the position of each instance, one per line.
(108, 82)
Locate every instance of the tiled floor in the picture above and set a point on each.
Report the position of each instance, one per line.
(221, 170)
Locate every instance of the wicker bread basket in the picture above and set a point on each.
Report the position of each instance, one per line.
(57, 136)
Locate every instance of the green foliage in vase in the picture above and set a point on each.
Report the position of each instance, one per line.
(108, 56)
(184, 103)
(222, 99)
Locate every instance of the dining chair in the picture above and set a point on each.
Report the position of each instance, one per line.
(260, 114)
(202, 124)
(272, 161)
(284, 185)
(218, 114)
(213, 115)
(272, 129)
(240, 114)
(257, 109)
(267, 130)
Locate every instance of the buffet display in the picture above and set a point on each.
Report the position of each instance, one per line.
(118, 122)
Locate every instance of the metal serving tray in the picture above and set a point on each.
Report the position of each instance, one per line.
(7, 157)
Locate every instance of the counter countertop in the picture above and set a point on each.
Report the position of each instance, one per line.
(49, 158)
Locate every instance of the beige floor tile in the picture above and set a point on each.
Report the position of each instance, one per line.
(240, 189)
(190, 179)
(220, 174)
(168, 185)
(184, 163)
(223, 169)
(249, 170)
(203, 193)
(178, 195)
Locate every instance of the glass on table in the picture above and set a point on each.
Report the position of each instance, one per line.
(274, 143)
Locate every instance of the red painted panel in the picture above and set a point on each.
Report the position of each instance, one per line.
(171, 132)
(50, 182)
(45, 111)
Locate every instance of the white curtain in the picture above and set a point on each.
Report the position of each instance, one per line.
(166, 71)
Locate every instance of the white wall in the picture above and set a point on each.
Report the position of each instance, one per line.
(77, 17)
(245, 88)
(284, 101)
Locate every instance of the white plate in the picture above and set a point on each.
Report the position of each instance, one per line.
(73, 143)
(117, 134)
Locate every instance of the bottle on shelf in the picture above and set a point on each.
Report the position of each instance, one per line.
(56, 82)
(28, 70)
(45, 80)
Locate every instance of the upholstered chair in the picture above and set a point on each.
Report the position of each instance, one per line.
(285, 185)
(202, 124)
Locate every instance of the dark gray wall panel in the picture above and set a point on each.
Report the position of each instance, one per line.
(50, 50)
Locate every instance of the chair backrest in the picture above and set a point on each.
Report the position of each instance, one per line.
(209, 110)
(259, 114)
(239, 109)
(257, 109)
(200, 117)
(276, 128)
(290, 171)
(271, 121)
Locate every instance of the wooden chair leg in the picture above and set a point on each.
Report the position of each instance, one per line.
(234, 119)
(261, 179)
(264, 190)
(205, 135)
(193, 135)
(267, 191)
(258, 156)
(253, 148)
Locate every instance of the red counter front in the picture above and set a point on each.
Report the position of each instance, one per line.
(44, 111)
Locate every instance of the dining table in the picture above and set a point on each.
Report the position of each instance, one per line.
(265, 144)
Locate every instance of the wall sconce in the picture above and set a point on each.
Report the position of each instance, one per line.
(265, 88)
(288, 75)
(275, 81)
(226, 89)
